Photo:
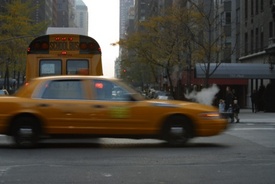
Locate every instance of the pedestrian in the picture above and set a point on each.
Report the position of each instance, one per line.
(254, 100)
(221, 105)
(229, 97)
(236, 110)
(260, 98)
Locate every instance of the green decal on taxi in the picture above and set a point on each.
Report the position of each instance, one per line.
(119, 112)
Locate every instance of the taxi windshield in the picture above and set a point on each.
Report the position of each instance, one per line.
(130, 90)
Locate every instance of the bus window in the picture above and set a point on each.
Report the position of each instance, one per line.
(50, 67)
(77, 66)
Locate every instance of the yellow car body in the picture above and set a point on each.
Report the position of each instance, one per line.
(100, 107)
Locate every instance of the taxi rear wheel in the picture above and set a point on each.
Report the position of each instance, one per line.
(25, 132)
(177, 130)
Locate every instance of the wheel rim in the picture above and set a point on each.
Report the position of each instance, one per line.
(177, 135)
(25, 136)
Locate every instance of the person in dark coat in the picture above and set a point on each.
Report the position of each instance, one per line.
(260, 98)
(236, 110)
(229, 97)
(254, 100)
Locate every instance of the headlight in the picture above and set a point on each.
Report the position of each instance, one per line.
(210, 115)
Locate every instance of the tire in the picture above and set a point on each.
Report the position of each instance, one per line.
(177, 131)
(25, 132)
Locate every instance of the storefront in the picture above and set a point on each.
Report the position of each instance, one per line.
(242, 77)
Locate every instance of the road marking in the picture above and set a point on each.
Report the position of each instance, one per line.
(253, 129)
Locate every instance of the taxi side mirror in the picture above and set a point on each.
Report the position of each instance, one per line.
(130, 97)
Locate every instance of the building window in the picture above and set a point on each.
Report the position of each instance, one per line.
(238, 16)
(262, 5)
(270, 29)
(262, 39)
(245, 43)
(237, 45)
(222, 19)
(245, 8)
(257, 39)
(142, 18)
(252, 7)
(257, 7)
(228, 18)
(252, 42)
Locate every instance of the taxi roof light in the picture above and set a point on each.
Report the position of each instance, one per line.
(99, 85)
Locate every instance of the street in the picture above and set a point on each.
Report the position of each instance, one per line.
(243, 154)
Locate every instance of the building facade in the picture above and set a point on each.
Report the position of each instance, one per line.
(256, 31)
(256, 38)
(248, 26)
(81, 16)
(126, 18)
(59, 13)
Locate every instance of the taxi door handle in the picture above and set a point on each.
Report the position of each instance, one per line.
(43, 105)
(98, 106)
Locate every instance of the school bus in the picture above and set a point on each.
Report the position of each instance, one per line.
(63, 54)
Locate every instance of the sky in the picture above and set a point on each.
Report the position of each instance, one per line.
(104, 27)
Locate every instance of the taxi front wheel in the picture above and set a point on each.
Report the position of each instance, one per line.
(177, 130)
(25, 132)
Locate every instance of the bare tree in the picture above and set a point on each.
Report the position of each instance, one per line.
(209, 37)
(16, 31)
(161, 44)
(181, 37)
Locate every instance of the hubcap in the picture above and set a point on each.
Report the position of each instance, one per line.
(177, 131)
(25, 132)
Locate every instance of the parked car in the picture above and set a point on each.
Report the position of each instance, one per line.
(4, 92)
(163, 95)
(64, 106)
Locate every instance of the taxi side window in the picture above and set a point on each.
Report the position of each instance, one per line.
(64, 89)
(106, 90)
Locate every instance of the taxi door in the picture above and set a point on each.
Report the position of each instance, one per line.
(65, 107)
(115, 113)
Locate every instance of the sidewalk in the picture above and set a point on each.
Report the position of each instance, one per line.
(246, 116)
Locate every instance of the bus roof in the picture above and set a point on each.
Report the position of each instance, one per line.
(44, 43)
(66, 30)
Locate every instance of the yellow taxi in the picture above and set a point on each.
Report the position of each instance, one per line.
(96, 106)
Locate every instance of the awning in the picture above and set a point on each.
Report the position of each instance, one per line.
(200, 81)
(237, 71)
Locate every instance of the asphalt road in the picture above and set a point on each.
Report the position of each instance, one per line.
(243, 154)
